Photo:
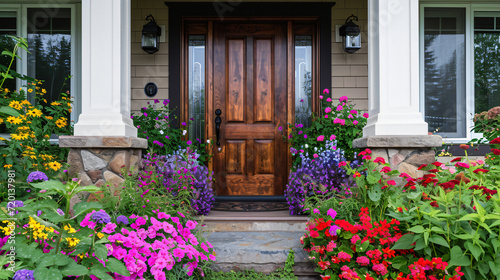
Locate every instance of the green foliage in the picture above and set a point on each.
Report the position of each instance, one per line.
(280, 274)
(487, 123)
(155, 123)
(339, 122)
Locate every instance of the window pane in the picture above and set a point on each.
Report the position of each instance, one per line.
(486, 68)
(196, 78)
(444, 59)
(49, 43)
(8, 23)
(303, 80)
(484, 23)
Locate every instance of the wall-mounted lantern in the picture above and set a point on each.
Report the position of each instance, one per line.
(351, 35)
(151, 33)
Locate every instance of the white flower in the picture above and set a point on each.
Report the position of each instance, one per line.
(315, 149)
(307, 146)
(184, 132)
(208, 141)
(161, 132)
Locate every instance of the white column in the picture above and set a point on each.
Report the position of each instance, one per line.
(393, 69)
(105, 69)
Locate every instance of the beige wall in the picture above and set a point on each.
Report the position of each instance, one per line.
(349, 71)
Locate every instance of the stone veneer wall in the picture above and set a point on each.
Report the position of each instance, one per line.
(98, 160)
(404, 153)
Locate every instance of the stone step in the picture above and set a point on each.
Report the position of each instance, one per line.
(261, 251)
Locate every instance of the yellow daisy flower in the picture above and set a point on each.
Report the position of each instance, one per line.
(14, 120)
(30, 90)
(55, 103)
(26, 102)
(1, 120)
(44, 91)
(49, 117)
(15, 104)
(55, 165)
(7, 166)
(61, 122)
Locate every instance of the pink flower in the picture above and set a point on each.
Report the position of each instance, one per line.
(320, 138)
(316, 211)
(380, 269)
(339, 121)
(363, 261)
(328, 99)
(321, 97)
(343, 98)
(342, 163)
(120, 253)
(344, 256)
(462, 164)
(332, 213)
(353, 112)
(109, 228)
(365, 115)
(305, 135)
(379, 159)
(340, 108)
(332, 137)
(326, 91)
(328, 110)
(315, 155)
(391, 182)
(355, 122)
(191, 224)
(326, 116)
(350, 116)
(355, 239)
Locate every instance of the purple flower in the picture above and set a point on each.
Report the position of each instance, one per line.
(157, 101)
(165, 102)
(333, 229)
(158, 143)
(189, 142)
(15, 204)
(166, 136)
(101, 217)
(39, 213)
(37, 176)
(145, 114)
(280, 128)
(122, 219)
(24, 274)
(60, 212)
(183, 123)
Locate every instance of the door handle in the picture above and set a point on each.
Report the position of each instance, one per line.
(218, 122)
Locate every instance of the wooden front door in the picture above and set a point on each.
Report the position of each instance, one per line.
(250, 88)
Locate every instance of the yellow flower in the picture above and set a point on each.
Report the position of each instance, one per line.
(30, 90)
(34, 113)
(55, 165)
(26, 102)
(49, 117)
(1, 120)
(69, 228)
(15, 104)
(19, 136)
(72, 241)
(55, 103)
(14, 120)
(23, 128)
(44, 91)
(69, 104)
(7, 166)
(2, 139)
(100, 235)
(6, 90)
(61, 122)
(45, 100)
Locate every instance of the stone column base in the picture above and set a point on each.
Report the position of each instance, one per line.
(404, 153)
(97, 160)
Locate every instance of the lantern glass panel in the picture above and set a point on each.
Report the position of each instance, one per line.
(149, 40)
(353, 41)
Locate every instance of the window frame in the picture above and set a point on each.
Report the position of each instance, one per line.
(470, 10)
(76, 53)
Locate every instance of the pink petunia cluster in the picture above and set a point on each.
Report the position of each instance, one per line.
(158, 246)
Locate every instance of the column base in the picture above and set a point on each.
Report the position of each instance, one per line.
(99, 160)
(404, 153)
(105, 125)
(395, 124)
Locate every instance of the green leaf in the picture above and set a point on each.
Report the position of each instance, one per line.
(417, 229)
(100, 272)
(438, 239)
(438, 230)
(51, 185)
(117, 266)
(91, 189)
(61, 259)
(373, 178)
(101, 252)
(45, 223)
(84, 207)
(464, 236)
(470, 217)
(374, 195)
(469, 273)
(47, 273)
(420, 244)
(74, 269)
(9, 111)
(7, 53)
(404, 243)
(83, 246)
(426, 237)
(458, 258)
(475, 250)
(399, 262)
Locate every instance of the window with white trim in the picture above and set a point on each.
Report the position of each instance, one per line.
(460, 66)
(53, 34)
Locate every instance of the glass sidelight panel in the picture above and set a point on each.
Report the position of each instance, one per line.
(49, 45)
(486, 60)
(196, 79)
(444, 66)
(303, 79)
(8, 23)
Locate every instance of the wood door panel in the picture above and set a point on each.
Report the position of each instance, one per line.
(250, 185)
(235, 157)
(263, 78)
(264, 157)
(235, 78)
(249, 77)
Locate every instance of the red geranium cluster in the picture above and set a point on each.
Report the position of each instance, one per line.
(434, 269)
(352, 250)
(485, 190)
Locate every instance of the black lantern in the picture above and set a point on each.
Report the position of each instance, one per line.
(151, 33)
(351, 35)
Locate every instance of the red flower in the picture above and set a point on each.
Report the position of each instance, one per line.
(464, 146)
(327, 277)
(437, 163)
(480, 170)
(434, 204)
(314, 234)
(379, 159)
(422, 166)
(386, 169)
(391, 182)
(356, 174)
(496, 152)
(495, 141)
(456, 159)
